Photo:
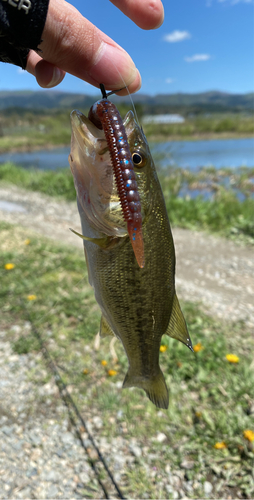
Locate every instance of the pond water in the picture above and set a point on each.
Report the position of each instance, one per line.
(186, 154)
(221, 153)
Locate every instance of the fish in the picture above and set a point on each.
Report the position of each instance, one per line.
(136, 294)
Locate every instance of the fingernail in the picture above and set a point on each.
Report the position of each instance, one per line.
(58, 76)
(113, 67)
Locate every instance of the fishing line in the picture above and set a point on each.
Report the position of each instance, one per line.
(129, 94)
(73, 411)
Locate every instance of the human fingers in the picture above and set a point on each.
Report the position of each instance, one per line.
(73, 44)
(147, 14)
(47, 75)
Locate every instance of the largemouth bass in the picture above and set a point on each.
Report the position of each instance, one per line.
(137, 300)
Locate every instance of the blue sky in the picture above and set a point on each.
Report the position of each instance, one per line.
(202, 45)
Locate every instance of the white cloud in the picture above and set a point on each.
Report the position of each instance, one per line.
(197, 57)
(170, 80)
(177, 36)
(230, 2)
(234, 2)
(21, 71)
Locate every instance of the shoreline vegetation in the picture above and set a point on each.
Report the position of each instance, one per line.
(32, 130)
(218, 201)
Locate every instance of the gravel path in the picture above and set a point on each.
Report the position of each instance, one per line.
(37, 450)
(39, 455)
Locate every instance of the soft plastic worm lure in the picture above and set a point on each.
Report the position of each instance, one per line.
(104, 115)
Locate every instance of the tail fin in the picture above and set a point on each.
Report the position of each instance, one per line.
(155, 387)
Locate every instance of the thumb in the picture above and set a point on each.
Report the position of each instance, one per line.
(74, 45)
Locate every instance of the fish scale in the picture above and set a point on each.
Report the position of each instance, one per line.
(138, 305)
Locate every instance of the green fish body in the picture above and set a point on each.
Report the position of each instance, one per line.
(138, 305)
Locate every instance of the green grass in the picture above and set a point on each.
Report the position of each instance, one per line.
(57, 183)
(223, 213)
(210, 398)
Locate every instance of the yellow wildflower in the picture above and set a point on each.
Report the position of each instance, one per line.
(198, 347)
(27, 242)
(163, 348)
(85, 371)
(232, 358)
(248, 434)
(9, 266)
(31, 297)
(198, 414)
(104, 362)
(220, 446)
(112, 373)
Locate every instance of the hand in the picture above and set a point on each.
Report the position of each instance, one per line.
(72, 44)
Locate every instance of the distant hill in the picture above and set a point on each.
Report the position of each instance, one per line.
(207, 101)
(43, 99)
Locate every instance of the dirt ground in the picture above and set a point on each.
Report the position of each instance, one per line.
(216, 272)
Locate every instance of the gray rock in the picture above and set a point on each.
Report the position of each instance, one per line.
(7, 430)
(15, 329)
(188, 487)
(84, 478)
(32, 472)
(35, 438)
(18, 445)
(67, 438)
(136, 450)
(52, 492)
(52, 476)
(161, 437)
(98, 423)
(25, 493)
(208, 488)
(187, 464)
(172, 491)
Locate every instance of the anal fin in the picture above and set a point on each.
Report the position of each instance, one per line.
(177, 328)
(105, 329)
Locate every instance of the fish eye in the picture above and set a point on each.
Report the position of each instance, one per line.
(138, 159)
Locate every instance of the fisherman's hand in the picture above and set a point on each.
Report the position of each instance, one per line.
(72, 44)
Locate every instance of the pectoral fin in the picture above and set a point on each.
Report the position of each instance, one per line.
(105, 329)
(101, 242)
(177, 328)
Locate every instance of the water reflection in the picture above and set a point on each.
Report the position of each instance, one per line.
(51, 159)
